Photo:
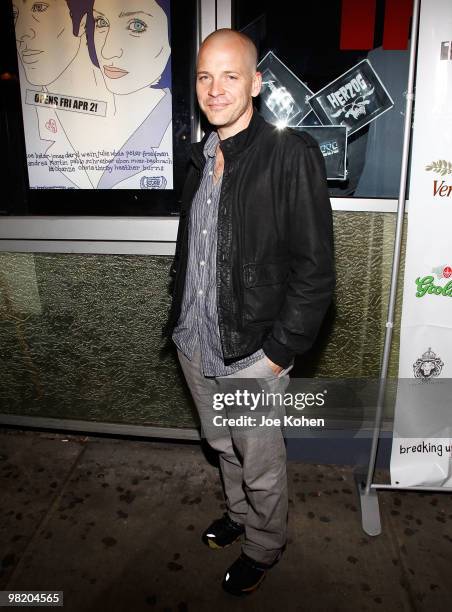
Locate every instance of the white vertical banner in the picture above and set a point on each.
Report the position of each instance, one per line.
(421, 449)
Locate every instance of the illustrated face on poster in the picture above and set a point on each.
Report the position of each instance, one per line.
(283, 96)
(354, 99)
(132, 46)
(48, 38)
(95, 81)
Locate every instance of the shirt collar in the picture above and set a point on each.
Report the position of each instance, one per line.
(236, 144)
(233, 145)
(211, 145)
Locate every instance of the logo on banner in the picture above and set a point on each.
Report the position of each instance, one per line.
(443, 271)
(441, 189)
(426, 285)
(441, 166)
(428, 366)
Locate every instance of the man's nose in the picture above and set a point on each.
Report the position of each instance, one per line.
(216, 88)
(23, 29)
(111, 48)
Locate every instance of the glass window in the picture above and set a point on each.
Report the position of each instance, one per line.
(341, 63)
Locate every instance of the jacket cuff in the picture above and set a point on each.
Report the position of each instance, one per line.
(279, 354)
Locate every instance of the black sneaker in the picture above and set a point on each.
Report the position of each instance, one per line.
(222, 533)
(244, 576)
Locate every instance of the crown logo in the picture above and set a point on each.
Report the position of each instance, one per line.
(428, 366)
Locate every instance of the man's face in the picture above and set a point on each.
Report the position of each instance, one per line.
(45, 41)
(226, 84)
(132, 46)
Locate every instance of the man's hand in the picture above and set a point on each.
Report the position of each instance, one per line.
(275, 367)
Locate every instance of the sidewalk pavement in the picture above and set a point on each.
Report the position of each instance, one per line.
(115, 524)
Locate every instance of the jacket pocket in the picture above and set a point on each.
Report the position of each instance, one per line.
(264, 291)
(258, 275)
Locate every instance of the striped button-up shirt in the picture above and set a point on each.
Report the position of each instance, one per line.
(198, 322)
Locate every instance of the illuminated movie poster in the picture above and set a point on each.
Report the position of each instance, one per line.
(332, 141)
(284, 98)
(354, 99)
(95, 80)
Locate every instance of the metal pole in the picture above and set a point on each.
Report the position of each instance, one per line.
(413, 488)
(397, 245)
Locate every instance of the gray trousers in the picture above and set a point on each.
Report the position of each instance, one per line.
(252, 460)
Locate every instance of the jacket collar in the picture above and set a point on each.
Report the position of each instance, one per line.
(234, 145)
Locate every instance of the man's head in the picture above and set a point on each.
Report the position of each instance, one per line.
(227, 80)
(48, 36)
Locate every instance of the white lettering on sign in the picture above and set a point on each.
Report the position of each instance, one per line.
(348, 91)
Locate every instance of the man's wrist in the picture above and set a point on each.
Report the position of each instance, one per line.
(277, 353)
(277, 369)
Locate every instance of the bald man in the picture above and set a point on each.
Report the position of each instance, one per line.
(253, 279)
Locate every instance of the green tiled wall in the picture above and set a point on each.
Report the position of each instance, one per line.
(80, 335)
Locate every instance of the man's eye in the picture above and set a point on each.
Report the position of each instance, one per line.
(137, 26)
(39, 7)
(101, 22)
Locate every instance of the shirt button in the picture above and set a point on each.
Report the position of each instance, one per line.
(209, 201)
(210, 173)
(202, 263)
(204, 231)
(200, 292)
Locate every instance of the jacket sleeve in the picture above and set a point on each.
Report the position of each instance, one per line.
(310, 239)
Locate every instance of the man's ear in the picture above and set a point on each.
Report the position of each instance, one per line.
(82, 26)
(257, 84)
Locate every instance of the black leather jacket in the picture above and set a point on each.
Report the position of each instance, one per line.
(274, 269)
